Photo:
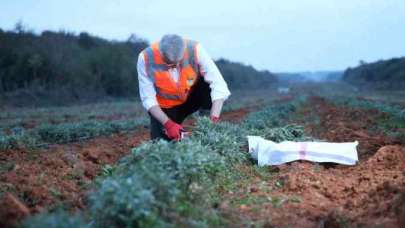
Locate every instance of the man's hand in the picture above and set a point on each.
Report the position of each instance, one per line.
(214, 119)
(173, 130)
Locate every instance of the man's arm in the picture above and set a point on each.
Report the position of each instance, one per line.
(217, 107)
(147, 92)
(219, 88)
(172, 129)
(157, 112)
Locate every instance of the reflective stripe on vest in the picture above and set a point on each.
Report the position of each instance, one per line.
(168, 92)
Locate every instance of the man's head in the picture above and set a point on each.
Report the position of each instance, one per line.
(172, 47)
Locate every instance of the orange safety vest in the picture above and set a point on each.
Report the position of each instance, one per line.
(168, 92)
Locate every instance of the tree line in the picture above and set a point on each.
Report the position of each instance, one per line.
(68, 67)
(384, 74)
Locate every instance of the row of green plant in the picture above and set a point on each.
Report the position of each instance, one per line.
(392, 123)
(385, 107)
(66, 132)
(77, 122)
(20, 117)
(14, 119)
(165, 184)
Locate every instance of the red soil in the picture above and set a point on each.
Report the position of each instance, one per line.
(237, 115)
(370, 194)
(43, 178)
(61, 173)
(12, 210)
(342, 124)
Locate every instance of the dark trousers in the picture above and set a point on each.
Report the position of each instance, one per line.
(199, 98)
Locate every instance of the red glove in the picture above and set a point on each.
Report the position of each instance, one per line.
(214, 119)
(173, 130)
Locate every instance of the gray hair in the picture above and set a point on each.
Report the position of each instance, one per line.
(172, 47)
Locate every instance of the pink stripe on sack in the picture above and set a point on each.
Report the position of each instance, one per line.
(303, 150)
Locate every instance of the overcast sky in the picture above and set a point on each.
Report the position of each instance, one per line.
(278, 35)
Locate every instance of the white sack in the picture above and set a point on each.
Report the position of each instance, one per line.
(267, 152)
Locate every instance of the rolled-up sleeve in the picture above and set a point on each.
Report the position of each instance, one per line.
(147, 92)
(212, 75)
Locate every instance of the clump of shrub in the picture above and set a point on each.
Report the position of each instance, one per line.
(151, 186)
(279, 134)
(18, 141)
(224, 138)
(272, 116)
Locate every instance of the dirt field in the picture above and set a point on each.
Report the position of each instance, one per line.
(299, 194)
(60, 174)
(44, 178)
(303, 194)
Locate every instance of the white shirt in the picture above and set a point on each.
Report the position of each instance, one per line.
(219, 88)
